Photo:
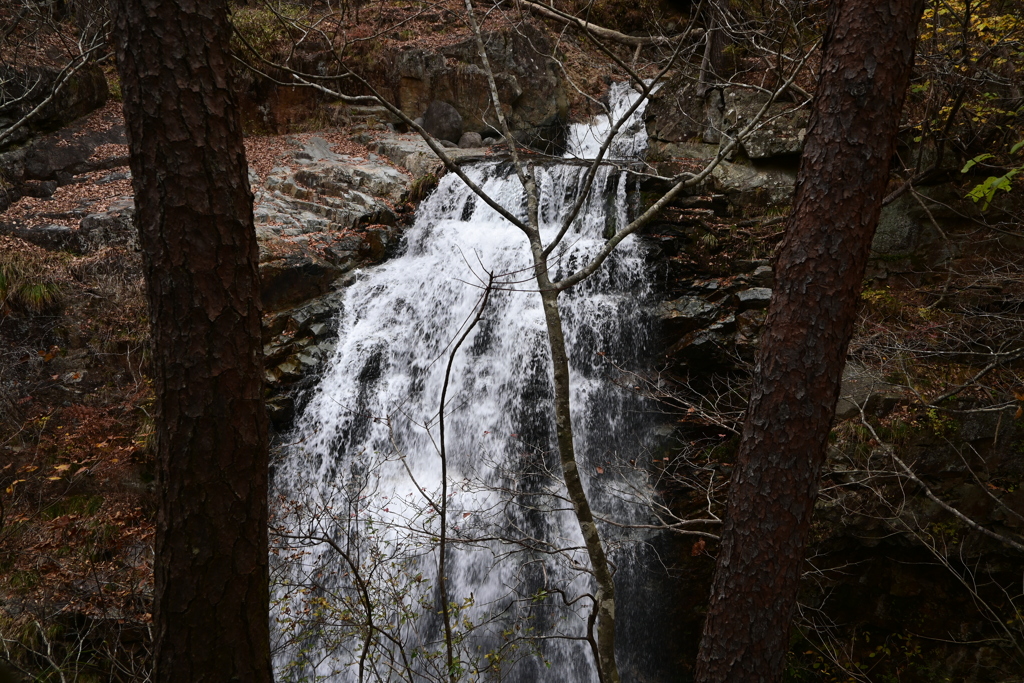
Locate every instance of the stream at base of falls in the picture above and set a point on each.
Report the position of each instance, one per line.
(357, 595)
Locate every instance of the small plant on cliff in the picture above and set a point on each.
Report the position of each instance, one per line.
(422, 186)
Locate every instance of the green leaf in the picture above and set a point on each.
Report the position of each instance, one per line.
(986, 191)
(975, 161)
(1015, 148)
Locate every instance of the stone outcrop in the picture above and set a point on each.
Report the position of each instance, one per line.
(39, 167)
(678, 117)
(409, 151)
(716, 319)
(684, 127)
(321, 218)
(297, 343)
(677, 114)
(781, 130)
(317, 220)
(84, 92)
(754, 185)
(530, 85)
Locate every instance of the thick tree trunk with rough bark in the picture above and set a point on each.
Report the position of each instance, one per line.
(867, 58)
(194, 213)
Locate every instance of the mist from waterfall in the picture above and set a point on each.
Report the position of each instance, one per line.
(363, 472)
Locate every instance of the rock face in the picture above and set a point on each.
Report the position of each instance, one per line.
(678, 117)
(715, 320)
(321, 219)
(316, 221)
(754, 185)
(443, 121)
(676, 114)
(781, 132)
(760, 171)
(297, 343)
(530, 85)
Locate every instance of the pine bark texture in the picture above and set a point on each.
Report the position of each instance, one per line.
(194, 214)
(866, 64)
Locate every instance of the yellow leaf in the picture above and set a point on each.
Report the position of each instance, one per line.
(61, 468)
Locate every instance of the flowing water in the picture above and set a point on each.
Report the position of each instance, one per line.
(364, 473)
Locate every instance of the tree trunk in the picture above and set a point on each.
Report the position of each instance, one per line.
(867, 58)
(713, 62)
(194, 214)
(603, 642)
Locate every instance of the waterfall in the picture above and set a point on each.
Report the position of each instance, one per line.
(360, 483)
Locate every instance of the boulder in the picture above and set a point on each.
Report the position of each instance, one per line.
(471, 140)
(443, 121)
(53, 155)
(907, 239)
(864, 388)
(40, 189)
(65, 153)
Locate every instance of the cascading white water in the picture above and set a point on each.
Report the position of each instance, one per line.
(364, 476)
(584, 140)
